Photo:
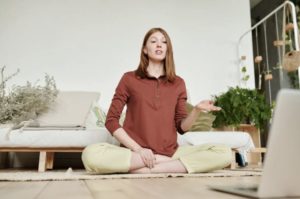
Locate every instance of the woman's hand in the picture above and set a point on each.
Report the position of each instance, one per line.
(147, 156)
(206, 106)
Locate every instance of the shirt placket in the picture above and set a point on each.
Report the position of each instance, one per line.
(157, 94)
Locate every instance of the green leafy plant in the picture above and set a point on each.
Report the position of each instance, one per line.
(21, 103)
(245, 76)
(294, 79)
(240, 106)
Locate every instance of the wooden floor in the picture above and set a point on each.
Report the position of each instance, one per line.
(170, 188)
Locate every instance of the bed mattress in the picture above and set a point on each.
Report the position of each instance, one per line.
(80, 138)
(54, 138)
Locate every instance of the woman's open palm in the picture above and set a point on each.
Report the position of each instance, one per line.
(207, 106)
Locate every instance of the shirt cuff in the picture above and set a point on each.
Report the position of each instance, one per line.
(112, 127)
(179, 129)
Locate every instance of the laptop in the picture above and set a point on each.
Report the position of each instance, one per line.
(281, 170)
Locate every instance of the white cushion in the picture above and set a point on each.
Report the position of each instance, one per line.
(241, 141)
(70, 109)
(55, 138)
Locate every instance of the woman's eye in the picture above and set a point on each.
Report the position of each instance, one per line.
(164, 42)
(153, 41)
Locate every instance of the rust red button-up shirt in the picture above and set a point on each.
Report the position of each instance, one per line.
(155, 109)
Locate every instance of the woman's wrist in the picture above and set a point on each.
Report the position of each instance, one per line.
(198, 110)
(137, 149)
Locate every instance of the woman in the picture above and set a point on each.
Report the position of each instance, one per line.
(156, 108)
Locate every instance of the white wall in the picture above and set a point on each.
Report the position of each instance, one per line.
(89, 44)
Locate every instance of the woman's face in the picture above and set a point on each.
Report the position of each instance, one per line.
(156, 47)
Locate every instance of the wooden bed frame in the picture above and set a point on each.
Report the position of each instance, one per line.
(46, 157)
(253, 151)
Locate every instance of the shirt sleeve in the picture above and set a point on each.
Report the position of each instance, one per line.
(181, 112)
(119, 100)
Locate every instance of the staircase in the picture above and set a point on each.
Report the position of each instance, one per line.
(275, 41)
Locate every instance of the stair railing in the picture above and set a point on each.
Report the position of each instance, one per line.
(295, 29)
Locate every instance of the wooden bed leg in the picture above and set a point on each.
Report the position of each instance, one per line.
(49, 160)
(42, 161)
(233, 162)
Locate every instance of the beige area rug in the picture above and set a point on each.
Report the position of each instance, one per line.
(19, 175)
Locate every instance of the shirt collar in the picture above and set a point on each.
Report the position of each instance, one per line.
(163, 77)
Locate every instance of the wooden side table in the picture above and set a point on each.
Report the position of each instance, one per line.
(254, 157)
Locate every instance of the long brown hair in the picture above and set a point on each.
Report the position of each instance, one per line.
(169, 65)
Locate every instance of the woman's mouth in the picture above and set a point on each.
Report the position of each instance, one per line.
(158, 52)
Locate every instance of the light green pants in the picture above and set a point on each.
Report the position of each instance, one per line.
(106, 158)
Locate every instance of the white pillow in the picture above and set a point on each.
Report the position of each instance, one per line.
(69, 110)
(97, 117)
(96, 121)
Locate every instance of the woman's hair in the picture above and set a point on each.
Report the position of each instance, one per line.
(169, 65)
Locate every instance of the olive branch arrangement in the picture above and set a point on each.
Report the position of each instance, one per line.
(22, 103)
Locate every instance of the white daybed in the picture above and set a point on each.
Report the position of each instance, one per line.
(47, 142)
(70, 125)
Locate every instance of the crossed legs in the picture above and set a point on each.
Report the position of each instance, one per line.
(196, 159)
(99, 158)
(163, 164)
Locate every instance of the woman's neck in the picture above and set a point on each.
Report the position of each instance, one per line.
(156, 69)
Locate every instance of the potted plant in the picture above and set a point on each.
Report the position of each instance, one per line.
(241, 106)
